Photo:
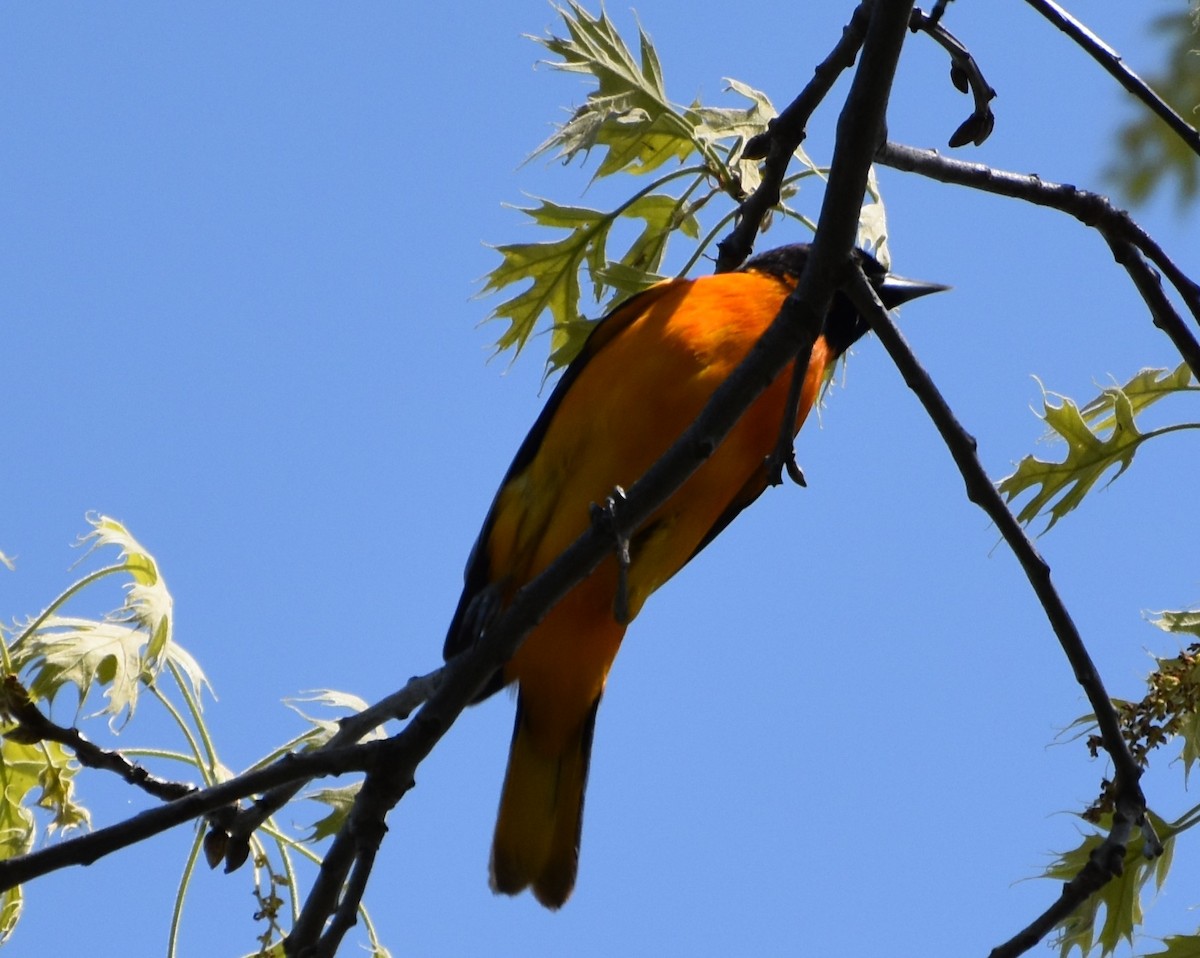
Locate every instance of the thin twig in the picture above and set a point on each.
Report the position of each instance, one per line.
(966, 76)
(783, 137)
(1089, 208)
(33, 726)
(1164, 315)
(1115, 66)
(1130, 803)
(399, 705)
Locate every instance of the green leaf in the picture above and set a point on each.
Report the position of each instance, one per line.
(629, 114)
(340, 801)
(553, 268)
(718, 123)
(56, 779)
(1143, 390)
(1089, 456)
(722, 123)
(638, 130)
(1148, 154)
(41, 776)
(1120, 898)
(20, 768)
(1188, 729)
(1178, 946)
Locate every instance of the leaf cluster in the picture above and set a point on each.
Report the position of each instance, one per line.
(120, 657)
(634, 127)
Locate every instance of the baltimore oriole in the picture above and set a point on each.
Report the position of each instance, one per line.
(644, 374)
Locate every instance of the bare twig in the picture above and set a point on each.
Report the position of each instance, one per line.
(783, 137)
(966, 76)
(399, 705)
(1113, 63)
(1091, 209)
(33, 726)
(1130, 802)
(1164, 315)
(87, 848)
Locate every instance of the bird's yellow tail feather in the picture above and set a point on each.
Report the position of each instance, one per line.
(536, 844)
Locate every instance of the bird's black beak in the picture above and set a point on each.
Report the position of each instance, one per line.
(897, 290)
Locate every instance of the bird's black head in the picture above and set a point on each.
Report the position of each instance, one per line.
(843, 326)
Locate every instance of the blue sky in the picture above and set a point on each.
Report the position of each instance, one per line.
(239, 253)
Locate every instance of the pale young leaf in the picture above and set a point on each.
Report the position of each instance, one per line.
(340, 801)
(872, 223)
(325, 727)
(147, 601)
(65, 650)
(1185, 621)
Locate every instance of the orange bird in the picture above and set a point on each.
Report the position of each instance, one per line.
(645, 373)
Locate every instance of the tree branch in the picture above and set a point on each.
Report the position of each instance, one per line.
(87, 848)
(33, 726)
(1114, 65)
(966, 76)
(783, 137)
(235, 843)
(1091, 209)
(1130, 802)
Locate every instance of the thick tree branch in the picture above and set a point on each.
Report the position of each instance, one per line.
(1130, 802)
(1115, 66)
